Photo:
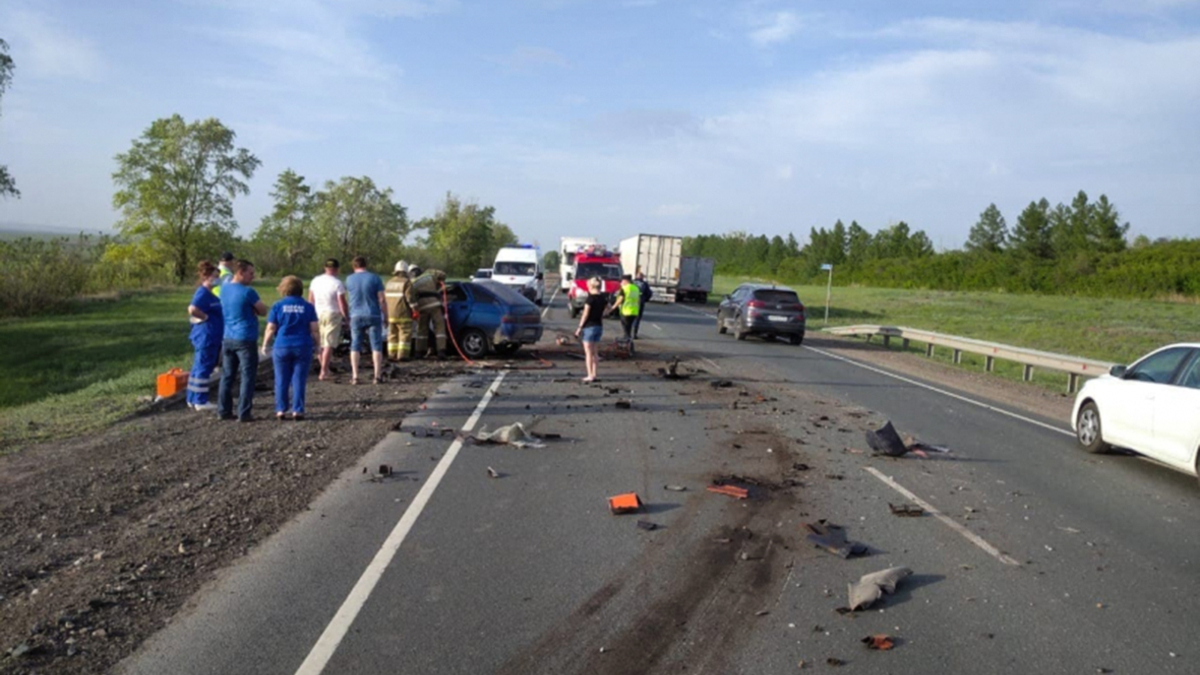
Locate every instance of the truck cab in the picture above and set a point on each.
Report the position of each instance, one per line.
(593, 261)
(520, 268)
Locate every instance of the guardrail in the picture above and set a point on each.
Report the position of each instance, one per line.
(1074, 366)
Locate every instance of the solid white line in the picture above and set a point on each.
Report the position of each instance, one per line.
(950, 522)
(951, 394)
(552, 297)
(328, 643)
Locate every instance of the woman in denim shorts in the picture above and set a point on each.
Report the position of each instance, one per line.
(591, 325)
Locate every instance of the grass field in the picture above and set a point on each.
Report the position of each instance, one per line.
(1108, 330)
(70, 373)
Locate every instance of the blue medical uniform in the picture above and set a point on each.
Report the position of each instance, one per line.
(206, 338)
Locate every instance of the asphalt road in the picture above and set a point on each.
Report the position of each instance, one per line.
(1040, 558)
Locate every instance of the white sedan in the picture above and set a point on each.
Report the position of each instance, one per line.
(1151, 407)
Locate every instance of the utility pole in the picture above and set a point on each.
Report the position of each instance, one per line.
(828, 288)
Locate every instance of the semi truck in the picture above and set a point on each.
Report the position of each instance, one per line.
(658, 257)
(695, 279)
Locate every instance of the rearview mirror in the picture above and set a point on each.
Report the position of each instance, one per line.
(1118, 371)
(540, 276)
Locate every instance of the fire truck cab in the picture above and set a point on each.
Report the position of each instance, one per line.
(593, 261)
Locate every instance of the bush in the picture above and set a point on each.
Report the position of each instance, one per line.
(42, 275)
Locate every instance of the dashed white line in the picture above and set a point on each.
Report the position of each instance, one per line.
(656, 326)
(328, 643)
(551, 302)
(950, 522)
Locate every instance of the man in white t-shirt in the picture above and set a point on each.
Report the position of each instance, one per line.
(328, 294)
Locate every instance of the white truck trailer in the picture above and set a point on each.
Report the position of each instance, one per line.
(695, 279)
(657, 256)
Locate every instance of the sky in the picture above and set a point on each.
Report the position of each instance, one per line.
(607, 118)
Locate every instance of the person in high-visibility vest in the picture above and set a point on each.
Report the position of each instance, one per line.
(400, 315)
(628, 301)
(224, 272)
(425, 295)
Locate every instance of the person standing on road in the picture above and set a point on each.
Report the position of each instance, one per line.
(425, 294)
(591, 325)
(208, 329)
(400, 315)
(368, 311)
(627, 301)
(644, 294)
(239, 350)
(225, 272)
(298, 328)
(328, 294)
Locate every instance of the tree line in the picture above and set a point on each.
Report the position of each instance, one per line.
(175, 188)
(1078, 248)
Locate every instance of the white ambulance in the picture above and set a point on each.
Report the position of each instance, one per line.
(520, 268)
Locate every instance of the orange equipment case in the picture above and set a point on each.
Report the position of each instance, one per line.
(172, 382)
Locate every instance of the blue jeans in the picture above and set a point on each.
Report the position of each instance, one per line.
(239, 358)
(207, 354)
(591, 334)
(372, 326)
(291, 370)
(637, 321)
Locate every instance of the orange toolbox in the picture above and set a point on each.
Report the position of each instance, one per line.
(172, 382)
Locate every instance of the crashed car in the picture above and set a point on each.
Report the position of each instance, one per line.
(489, 317)
(1151, 407)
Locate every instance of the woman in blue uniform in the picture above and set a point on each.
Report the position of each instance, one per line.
(208, 327)
(294, 325)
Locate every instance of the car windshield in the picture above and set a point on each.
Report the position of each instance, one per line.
(516, 269)
(483, 274)
(777, 296)
(607, 271)
(504, 293)
(1158, 367)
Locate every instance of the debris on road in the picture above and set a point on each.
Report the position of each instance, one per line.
(835, 662)
(432, 431)
(872, 587)
(385, 469)
(832, 538)
(514, 434)
(881, 642)
(492, 473)
(623, 404)
(675, 488)
(671, 372)
(628, 502)
(730, 490)
(906, 510)
(721, 384)
(800, 466)
(647, 525)
(885, 441)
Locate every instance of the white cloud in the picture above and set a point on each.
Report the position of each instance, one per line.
(50, 51)
(779, 27)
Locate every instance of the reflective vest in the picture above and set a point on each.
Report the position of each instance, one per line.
(632, 300)
(397, 304)
(226, 275)
(426, 293)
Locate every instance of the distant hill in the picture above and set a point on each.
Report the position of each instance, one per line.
(11, 230)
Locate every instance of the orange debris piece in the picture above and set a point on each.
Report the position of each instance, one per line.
(625, 503)
(730, 490)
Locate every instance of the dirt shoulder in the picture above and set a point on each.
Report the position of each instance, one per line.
(104, 537)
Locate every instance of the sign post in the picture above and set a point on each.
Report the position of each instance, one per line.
(828, 288)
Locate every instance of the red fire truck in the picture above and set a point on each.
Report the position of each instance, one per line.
(593, 261)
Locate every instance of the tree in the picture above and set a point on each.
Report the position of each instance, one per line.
(990, 234)
(287, 231)
(858, 244)
(1105, 230)
(1070, 225)
(8, 187)
(463, 237)
(551, 260)
(177, 183)
(1031, 236)
(353, 217)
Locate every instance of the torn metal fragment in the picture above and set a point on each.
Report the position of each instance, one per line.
(871, 587)
(832, 538)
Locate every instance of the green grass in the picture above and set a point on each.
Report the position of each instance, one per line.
(1108, 330)
(66, 374)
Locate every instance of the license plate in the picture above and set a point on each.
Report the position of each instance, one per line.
(777, 318)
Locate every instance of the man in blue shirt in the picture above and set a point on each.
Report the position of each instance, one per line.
(239, 349)
(368, 313)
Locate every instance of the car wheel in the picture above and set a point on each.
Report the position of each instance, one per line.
(739, 332)
(720, 326)
(797, 338)
(474, 343)
(1088, 430)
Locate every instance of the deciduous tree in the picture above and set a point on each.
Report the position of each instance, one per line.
(288, 230)
(8, 187)
(176, 186)
(463, 237)
(354, 217)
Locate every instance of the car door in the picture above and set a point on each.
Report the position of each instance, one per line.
(1127, 413)
(723, 309)
(458, 307)
(1177, 417)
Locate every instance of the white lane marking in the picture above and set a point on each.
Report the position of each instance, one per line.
(710, 362)
(656, 326)
(552, 297)
(328, 643)
(944, 392)
(950, 522)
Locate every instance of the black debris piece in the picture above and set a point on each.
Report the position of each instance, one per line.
(906, 510)
(671, 372)
(623, 404)
(885, 441)
(832, 538)
(800, 466)
(721, 384)
(647, 525)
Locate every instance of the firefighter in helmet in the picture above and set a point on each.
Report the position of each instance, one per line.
(400, 314)
(425, 296)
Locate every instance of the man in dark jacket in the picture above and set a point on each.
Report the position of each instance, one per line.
(644, 295)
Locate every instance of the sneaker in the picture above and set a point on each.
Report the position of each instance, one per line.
(204, 407)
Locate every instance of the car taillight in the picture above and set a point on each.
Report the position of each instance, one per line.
(796, 308)
(756, 304)
(508, 318)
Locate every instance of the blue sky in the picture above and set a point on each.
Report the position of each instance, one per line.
(608, 118)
